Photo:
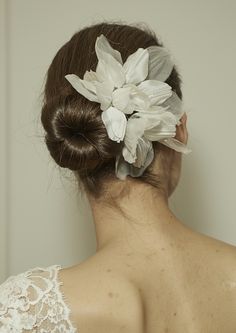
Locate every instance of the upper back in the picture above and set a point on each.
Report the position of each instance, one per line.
(193, 290)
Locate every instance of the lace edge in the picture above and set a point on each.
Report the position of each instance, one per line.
(63, 299)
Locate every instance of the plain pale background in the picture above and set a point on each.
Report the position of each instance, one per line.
(43, 220)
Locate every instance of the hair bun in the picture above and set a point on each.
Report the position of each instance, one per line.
(76, 136)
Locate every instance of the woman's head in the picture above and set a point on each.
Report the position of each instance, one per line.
(75, 134)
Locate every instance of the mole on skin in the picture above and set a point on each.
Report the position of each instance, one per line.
(111, 294)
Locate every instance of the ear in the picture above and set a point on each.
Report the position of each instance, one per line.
(181, 130)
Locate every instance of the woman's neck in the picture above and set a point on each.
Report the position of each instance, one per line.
(143, 220)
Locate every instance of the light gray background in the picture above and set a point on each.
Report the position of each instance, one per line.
(42, 219)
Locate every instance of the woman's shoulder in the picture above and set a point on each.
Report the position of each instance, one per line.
(101, 297)
(33, 299)
(219, 250)
(213, 256)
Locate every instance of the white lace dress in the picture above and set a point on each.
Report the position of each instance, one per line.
(33, 302)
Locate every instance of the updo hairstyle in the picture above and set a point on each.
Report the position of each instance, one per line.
(75, 134)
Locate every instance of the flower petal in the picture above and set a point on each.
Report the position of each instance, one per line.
(79, 85)
(103, 46)
(157, 124)
(90, 85)
(143, 148)
(90, 76)
(103, 74)
(140, 100)
(130, 154)
(160, 63)
(161, 126)
(123, 168)
(157, 91)
(115, 123)
(121, 99)
(108, 68)
(175, 105)
(156, 109)
(136, 66)
(134, 130)
(176, 145)
(104, 94)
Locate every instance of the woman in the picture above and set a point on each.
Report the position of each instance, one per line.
(121, 130)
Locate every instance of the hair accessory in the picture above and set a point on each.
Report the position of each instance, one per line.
(138, 107)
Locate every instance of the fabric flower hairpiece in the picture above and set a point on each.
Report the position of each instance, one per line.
(135, 88)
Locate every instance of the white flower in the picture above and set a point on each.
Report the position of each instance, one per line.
(135, 87)
(118, 87)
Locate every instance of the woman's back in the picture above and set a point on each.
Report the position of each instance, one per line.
(120, 125)
(188, 287)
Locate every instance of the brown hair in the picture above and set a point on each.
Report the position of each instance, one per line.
(75, 134)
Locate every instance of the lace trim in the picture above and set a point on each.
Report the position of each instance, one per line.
(63, 298)
(33, 301)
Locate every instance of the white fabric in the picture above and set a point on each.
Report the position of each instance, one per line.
(33, 302)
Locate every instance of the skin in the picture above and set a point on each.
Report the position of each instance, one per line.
(151, 273)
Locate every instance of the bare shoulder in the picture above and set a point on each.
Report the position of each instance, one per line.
(101, 299)
(217, 250)
(217, 260)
